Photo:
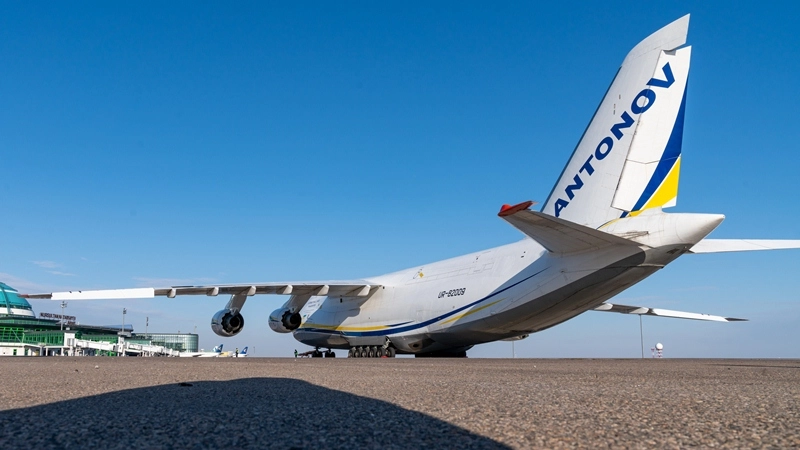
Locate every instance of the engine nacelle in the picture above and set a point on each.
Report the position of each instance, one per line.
(283, 320)
(226, 324)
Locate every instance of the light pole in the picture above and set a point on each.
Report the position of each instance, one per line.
(121, 338)
(641, 334)
(146, 324)
(63, 305)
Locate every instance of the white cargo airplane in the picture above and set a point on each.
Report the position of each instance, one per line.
(601, 230)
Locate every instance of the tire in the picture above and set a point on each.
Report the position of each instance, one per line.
(364, 352)
(390, 352)
(371, 353)
(351, 353)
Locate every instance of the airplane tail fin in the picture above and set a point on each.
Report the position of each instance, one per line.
(243, 352)
(629, 156)
(218, 349)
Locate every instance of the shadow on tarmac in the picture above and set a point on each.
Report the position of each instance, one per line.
(247, 413)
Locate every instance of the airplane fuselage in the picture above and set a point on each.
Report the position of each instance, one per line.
(500, 293)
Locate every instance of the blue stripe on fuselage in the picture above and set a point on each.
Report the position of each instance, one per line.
(421, 324)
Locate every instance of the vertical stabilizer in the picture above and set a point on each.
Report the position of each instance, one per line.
(628, 159)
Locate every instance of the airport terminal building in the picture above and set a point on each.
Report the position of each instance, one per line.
(23, 334)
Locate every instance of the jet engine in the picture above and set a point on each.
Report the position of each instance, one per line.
(283, 320)
(227, 323)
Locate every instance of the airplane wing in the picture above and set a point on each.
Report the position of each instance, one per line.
(558, 235)
(742, 245)
(352, 288)
(645, 311)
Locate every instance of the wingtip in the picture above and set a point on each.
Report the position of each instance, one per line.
(507, 210)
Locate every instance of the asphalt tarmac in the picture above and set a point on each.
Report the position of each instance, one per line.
(192, 403)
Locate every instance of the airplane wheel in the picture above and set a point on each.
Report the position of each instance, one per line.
(364, 352)
(390, 352)
(330, 354)
(351, 353)
(371, 353)
(381, 352)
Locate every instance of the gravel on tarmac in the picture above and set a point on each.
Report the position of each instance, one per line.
(208, 403)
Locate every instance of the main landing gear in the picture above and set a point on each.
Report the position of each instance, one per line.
(371, 352)
(317, 353)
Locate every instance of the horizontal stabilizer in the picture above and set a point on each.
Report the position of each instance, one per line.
(645, 311)
(358, 288)
(742, 245)
(559, 235)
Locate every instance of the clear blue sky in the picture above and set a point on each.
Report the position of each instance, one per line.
(182, 143)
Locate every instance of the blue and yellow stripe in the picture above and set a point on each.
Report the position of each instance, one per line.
(382, 330)
(663, 184)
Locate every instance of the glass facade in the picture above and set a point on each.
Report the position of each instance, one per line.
(11, 303)
(45, 332)
(184, 342)
(11, 334)
(18, 325)
(46, 338)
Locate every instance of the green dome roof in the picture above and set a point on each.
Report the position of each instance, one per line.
(10, 299)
